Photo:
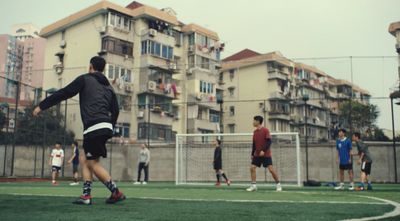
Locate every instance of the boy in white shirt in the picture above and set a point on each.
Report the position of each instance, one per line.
(56, 161)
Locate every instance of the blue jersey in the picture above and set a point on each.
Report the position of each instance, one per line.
(75, 161)
(343, 147)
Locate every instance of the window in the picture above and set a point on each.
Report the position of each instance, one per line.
(110, 72)
(214, 116)
(231, 128)
(122, 129)
(124, 102)
(144, 47)
(205, 139)
(116, 72)
(231, 91)
(128, 77)
(117, 46)
(157, 131)
(191, 61)
(232, 111)
(112, 19)
(231, 74)
(191, 39)
(157, 49)
(164, 51)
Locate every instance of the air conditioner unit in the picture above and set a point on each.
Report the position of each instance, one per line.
(152, 32)
(189, 71)
(199, 96)
(140, 114)
(103, 30)
(192, 48)
(63, 44)
(128, 88)
(172, 66)
(179, 90)
(152, 85)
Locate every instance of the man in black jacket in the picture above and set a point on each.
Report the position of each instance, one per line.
(99, 113)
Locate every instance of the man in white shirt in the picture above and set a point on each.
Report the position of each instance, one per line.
(144, 160)
(56, 161)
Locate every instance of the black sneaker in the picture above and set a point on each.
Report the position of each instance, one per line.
(83, 200)
(116, 197)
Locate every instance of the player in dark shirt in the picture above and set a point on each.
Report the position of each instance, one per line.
(217, 163)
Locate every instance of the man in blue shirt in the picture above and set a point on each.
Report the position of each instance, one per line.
(343, 147)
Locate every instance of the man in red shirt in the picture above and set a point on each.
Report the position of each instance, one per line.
(261, 153)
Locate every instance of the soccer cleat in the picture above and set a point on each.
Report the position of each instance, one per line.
(116, 197)
(228, 182)
(217, 184)
(137, 183)
(144, 183)
(360, 188)
(252, 188)
(54, 183)
(351, 188)
(74, 183)
(369, 187)
(278, 188)
(340, 187)
(83, 200)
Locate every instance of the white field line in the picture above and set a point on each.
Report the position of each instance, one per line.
(395, 212)
(219, 200)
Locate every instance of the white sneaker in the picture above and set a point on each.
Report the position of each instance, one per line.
(340, 187)
(252, 188)
(278, 187)
(351, 188)
(136, 183)
(144, 183)
(74, 184)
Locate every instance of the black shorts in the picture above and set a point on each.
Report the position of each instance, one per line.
(348, 166)
(95, 147)
(55, 169)
(258, 161)
(217, 165)
(75, 168)
(366, 167)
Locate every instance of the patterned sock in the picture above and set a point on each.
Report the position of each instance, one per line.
(87, 188)
(111, 186)
(218, 177)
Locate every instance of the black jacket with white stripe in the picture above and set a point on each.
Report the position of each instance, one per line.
(98, 102)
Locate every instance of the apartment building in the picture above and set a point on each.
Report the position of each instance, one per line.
(394, 29)
(284, 92)
(149, 53)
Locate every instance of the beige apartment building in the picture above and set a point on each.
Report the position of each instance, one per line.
(273, 86)
(155, 63)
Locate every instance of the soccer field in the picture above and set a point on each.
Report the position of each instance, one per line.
(165, 201)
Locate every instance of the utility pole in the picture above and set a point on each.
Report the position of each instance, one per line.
(305, 99)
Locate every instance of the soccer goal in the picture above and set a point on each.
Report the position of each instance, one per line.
(195, 152)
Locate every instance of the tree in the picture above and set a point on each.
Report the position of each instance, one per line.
(363, 117)
(47, 127)
(2, 120)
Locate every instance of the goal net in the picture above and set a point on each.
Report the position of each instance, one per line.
(195, 155)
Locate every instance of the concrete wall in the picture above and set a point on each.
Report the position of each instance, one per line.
(122, 161)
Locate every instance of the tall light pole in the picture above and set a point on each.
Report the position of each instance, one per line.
(305, 99)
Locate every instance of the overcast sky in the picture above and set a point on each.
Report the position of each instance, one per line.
(298, 29)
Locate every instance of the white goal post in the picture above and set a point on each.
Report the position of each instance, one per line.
(194, 157)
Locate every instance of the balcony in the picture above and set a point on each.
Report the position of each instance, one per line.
(205, 100)
(195, 124)
(277, 75)
(277, 95)
(170, 90)
(280, 115)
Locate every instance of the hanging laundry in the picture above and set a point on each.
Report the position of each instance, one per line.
(174, 90)
(167, 89)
